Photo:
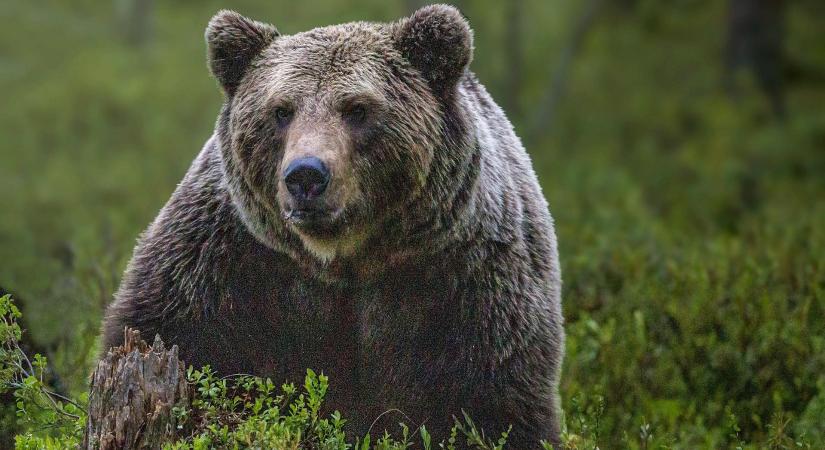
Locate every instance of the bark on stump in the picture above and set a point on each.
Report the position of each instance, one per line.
(133, 391)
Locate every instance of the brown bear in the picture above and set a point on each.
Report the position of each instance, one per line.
(364, 209)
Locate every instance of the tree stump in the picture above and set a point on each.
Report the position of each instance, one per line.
(133, 391)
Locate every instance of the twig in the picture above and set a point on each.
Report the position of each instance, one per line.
(387, 412)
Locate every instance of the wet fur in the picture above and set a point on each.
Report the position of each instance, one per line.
(449, 296)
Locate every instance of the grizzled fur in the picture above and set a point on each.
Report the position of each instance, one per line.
(432, 287)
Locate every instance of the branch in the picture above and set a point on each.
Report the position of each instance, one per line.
(545, 117)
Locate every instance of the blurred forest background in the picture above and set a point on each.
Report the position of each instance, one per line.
(681, 146)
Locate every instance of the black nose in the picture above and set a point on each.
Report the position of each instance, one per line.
(306, 178)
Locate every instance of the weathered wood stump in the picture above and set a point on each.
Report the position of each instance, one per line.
(133, 391)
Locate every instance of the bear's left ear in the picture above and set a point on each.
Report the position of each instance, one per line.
(233, 41)
(437, 41)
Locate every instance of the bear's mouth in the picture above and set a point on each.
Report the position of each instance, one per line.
(321, 222)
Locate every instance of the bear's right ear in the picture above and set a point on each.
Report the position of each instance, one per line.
(437, 41)
(232, 42)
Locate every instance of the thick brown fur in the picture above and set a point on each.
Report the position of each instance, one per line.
(433, 286)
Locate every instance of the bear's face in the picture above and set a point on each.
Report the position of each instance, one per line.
(326, 133)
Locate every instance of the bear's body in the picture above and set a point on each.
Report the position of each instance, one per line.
(438, 288)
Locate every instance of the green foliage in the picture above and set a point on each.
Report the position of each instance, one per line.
(52, 420)
(692, 232)
(11, 357)
(250, 412)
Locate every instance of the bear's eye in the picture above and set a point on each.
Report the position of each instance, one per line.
(356, 113)
(283, 114)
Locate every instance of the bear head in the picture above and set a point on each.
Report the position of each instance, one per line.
(328, 134)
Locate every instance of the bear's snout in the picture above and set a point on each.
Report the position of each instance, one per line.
(306, 179)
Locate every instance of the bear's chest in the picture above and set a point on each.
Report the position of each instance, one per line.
(382, 343)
